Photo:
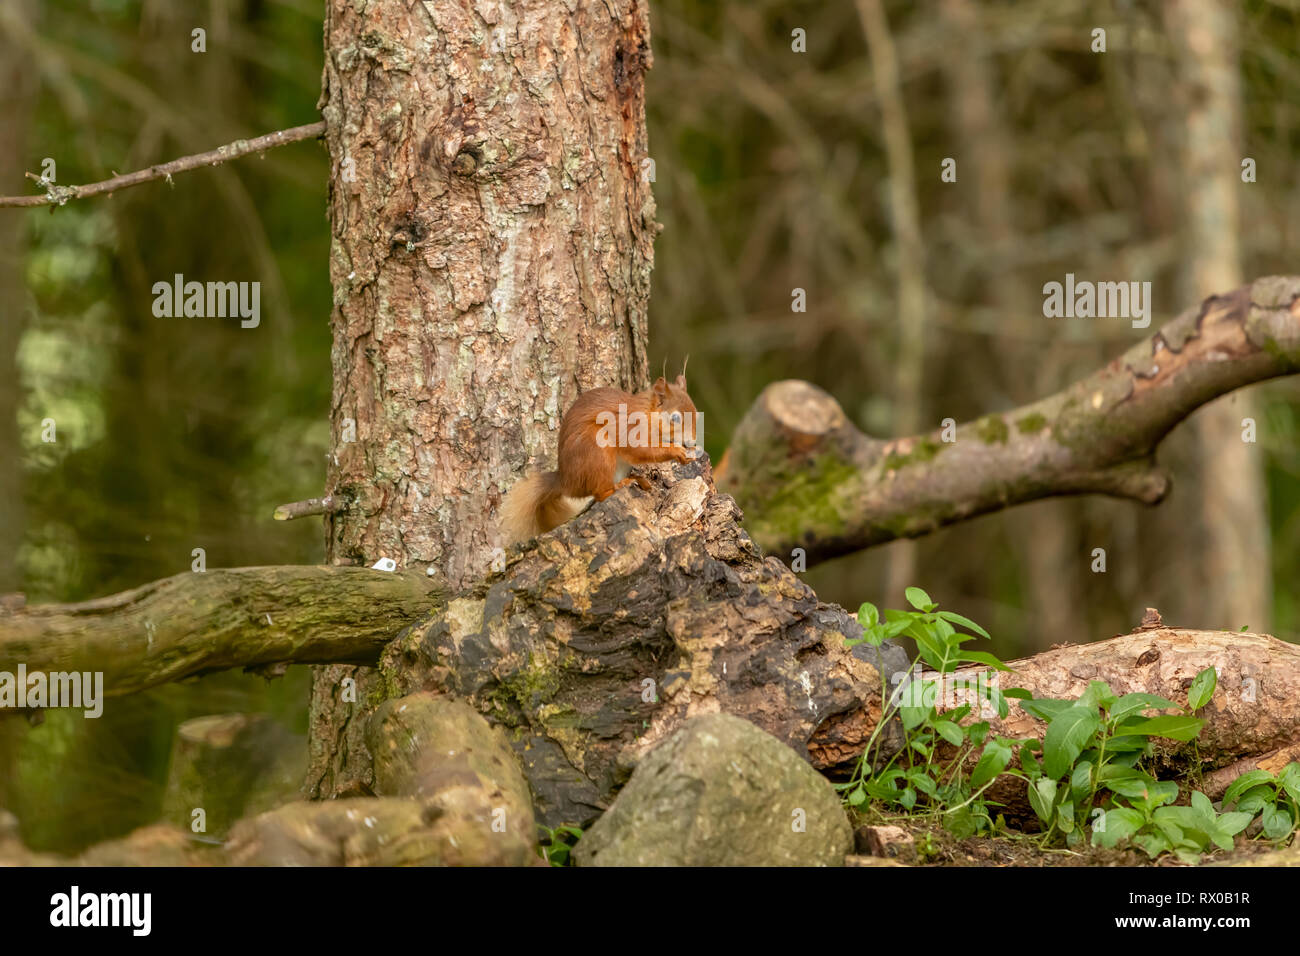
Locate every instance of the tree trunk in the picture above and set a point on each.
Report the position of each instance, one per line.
(1234, 549)
(492, 246)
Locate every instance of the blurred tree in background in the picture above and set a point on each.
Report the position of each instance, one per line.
(775, 170)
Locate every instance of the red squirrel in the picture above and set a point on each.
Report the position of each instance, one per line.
(604, 432)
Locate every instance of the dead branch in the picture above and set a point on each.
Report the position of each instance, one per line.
(806, 477)
(56, 195)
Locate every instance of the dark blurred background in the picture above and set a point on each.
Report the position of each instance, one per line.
(774, 171)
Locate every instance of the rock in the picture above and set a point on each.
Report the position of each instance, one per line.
(884, 841)
(442, 751)
(720, 792)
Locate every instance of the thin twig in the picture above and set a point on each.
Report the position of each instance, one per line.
(56, 195)
(303, 509)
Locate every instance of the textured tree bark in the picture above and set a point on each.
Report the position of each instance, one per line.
(492, 246)
(809, 479)
(649, 608)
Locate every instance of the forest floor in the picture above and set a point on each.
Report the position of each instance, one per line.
(935, 846)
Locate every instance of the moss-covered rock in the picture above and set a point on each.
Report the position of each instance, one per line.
(721, 792)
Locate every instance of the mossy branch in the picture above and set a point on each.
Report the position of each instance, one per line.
(806, 477)
(198, 622)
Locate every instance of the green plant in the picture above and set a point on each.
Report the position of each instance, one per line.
(557, 843)
(1092, 746)
(1091, 753)
(1084, 779)
(1185, 831)
(1276, 799)
(927, 782)
(1090, 774)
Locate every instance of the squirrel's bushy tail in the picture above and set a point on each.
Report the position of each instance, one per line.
(534, 506)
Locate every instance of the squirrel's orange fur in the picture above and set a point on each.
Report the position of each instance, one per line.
(589, 461)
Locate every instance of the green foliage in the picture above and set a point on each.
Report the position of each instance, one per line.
(1275, 799)
(557, 843)
(1185, 831)
(1090, 754)
(914, 779)
(1085, 779)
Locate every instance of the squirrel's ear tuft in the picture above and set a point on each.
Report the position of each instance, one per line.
(660, 388)
(681, 381)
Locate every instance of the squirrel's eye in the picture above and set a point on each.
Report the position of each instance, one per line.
(675, 418)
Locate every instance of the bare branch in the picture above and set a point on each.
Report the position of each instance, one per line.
(56, 195)
(303, 509)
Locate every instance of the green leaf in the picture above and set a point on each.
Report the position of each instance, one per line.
(1234, 823)
(1202, 689)
(1202, 805)
(1096, 694)
(1042, 795)
(960, 823)
(1000, 703)
(1153, 844)
(1133, 788)
(992, 762)
(893, 628)
(934, 651)
(919, 599)
(857, 796)
(1028, 762)
(1081, 780)
(950, 732)
(868, 615)
(1243, 783)
(1067, 735)
(1171, 831)
(1045, 708)
(923, 783)
(1116, 824)
(964, 622)
(1277, 823)
(1289, 780)
(1172, 726)
(977, 732)
(982, 657)
(1018, 693)
(908, 798)
(1162, 792)
(1131, 704)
